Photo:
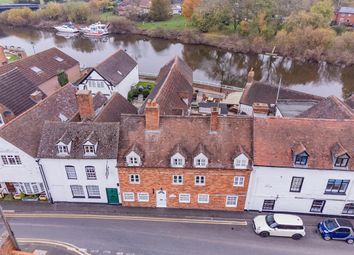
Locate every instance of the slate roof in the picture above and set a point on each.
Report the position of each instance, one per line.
(258, 92)
(274, 139)
(329, 108)
(173, 83)
(15, 91)
(25, 130)
(116, 67)
(45, 61)
(113, 109)
(349, 10)
(188, 134)
(105, 134)
(350, 101)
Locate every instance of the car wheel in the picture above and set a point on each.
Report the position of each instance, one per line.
(327, 238)
(350, 241)
(296, 237)
(264, 234)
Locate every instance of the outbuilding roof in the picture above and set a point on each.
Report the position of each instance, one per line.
(349, 10)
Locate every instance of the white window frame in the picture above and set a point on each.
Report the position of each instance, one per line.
(239, 181)
(11, 160)
(70, 172)
(228, 197)
(198, 159)
(199, 180)
(128, 194)
(78, 188)
(89, 150)
(143, 197)
(93, 189)
(184, 201)
(134, 179)
(203, 201)
(241, 162)
(177, 177)
(178, 161)
(133, 159)
(90, 173)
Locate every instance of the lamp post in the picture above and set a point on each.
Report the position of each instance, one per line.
(9, 230)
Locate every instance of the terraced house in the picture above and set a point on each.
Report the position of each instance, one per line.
(184, 161)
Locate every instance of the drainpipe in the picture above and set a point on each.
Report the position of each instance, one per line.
(45, 182)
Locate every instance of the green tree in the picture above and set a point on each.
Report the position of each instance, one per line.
(160, 10)
(62, 77)
(323, 8)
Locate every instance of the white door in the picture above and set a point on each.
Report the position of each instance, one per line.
(161, 198)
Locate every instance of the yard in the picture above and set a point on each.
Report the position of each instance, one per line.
(176, 22)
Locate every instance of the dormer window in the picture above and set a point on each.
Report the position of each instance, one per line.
(133, 159)
(341, 161)
(177, 160)
(89, 149)
(200, 161)
(63, 149)
(241, 162)
(301, 159)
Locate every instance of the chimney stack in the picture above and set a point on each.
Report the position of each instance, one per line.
(85, 104)
(250, 76)
(36, 96)
(3, 58)
(214, 119)
(152, 115)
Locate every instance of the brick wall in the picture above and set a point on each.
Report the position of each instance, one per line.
(344, 18)
(218, 184)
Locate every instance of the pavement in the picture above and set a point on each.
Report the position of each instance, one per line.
(47, 249)
(105, 209)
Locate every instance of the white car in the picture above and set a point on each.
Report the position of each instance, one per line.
(285, 225)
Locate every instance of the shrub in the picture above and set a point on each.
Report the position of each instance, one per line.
(78, 12)
(52, 11)
(19, 17)
(121, 25)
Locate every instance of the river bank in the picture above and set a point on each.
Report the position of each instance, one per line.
(231, 43)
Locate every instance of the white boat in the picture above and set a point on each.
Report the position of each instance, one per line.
(96, 29)
(67, 28)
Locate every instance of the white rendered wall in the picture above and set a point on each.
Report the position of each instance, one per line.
(246, 109)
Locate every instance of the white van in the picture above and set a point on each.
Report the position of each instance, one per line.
(285, 225)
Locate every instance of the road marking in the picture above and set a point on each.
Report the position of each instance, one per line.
(67, 246)
(129, 218)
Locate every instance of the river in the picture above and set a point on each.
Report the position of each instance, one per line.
(209, 64)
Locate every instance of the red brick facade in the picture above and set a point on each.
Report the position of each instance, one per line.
(345, 18)
(218, 184)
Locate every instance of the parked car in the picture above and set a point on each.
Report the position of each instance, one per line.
(337, 229)
(285, 225)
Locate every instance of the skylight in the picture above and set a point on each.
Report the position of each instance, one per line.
(59, 59)
(37, 70)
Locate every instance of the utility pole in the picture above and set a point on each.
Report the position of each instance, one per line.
(9, 231)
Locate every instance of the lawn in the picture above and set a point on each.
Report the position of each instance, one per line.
(6, 1)
(176, 22)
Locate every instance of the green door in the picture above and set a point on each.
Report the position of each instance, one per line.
(112, 196)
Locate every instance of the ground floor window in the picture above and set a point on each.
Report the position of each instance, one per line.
(231, 200)
(348, 208)
(143, 197)
(268, 205)
(128, 196)
(93, 191)
(203, 198)
(77, 191)
(184, 198)
(317, 206)
(28, 188)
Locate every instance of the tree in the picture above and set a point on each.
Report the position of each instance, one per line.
(160, 10)
(62, 77)
(323, 8)
(188, 7)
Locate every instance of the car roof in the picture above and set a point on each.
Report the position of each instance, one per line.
(288, 219)
(344, 223)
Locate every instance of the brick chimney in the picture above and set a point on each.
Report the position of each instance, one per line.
(250, 76)
(85, 104)
(152, 115)
(3, 58)
(36, 96)
(214, 119)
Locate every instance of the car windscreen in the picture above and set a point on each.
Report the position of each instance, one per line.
(331, 224)
(270, 221)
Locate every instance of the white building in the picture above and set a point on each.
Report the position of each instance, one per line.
(303, 165)
(117, 73)
(19, 140)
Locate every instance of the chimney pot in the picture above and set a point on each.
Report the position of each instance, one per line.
(152, 116)
(214, 119)
(85, 104)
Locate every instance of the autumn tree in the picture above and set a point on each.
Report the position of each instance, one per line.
(160, 10)
(188, 7)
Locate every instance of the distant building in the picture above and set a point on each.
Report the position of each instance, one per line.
(117, 73)
(345, 15)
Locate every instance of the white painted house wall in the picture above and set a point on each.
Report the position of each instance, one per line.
(246, 109)
(59, 183)
(273, 183)
(122, 88)
(27, 172)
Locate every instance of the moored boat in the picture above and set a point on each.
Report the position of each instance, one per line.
(96, 29)
(67, 28)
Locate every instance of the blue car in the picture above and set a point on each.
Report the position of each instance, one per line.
(337, 229)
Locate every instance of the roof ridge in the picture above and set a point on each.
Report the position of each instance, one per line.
(11, 70)
(164, 82)
(342, 105)
(110, 56)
